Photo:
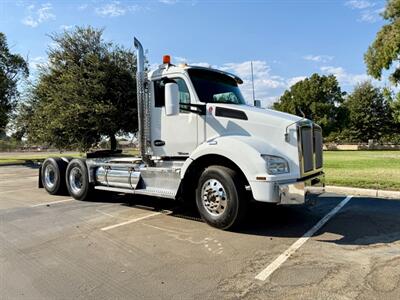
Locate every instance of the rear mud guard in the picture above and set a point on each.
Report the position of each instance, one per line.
(40, 184)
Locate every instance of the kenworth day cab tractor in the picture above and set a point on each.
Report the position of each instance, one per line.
(199, 140)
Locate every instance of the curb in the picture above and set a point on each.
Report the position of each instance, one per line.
(363, 192)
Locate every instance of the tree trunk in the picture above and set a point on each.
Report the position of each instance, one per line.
(113, 142)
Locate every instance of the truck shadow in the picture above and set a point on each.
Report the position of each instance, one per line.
(363, 221)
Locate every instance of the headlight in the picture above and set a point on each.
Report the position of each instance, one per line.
(276, 164)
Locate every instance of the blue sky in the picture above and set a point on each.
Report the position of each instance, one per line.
(287, 40)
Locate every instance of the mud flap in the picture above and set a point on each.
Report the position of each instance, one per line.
(40, 184)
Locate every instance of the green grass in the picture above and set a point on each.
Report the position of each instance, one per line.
(21, 158)
(5, 161)
(364, 169)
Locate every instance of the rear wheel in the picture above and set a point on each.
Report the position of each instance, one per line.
(53, 175)
(220, 197)
(77, 180)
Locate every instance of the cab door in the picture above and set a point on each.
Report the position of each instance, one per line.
(173, 136)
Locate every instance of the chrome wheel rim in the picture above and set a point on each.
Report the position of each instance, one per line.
(214, 197)
(50, 176)
(75, 180)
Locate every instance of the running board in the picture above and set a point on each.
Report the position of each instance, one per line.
(114, 189)
(162, 193)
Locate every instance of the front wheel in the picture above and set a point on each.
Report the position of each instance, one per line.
(77, 179)
(220, 197)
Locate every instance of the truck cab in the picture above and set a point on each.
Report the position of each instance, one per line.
(213, 118)
(199, 140)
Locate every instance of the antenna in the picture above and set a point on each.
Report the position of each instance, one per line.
(252, 83)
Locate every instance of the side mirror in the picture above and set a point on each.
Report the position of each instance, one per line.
(257, 103)
(171, 99)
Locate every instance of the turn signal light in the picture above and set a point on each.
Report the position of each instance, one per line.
(166, 59)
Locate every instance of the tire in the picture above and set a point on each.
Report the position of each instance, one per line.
(52, 174)
(220, 197)
(77, 180)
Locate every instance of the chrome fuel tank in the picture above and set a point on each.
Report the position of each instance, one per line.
(121, 177)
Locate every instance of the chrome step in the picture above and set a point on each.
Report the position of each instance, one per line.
(162, 193)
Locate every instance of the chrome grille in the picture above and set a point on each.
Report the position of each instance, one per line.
(307, 148)
(310, 148)
(318, 144)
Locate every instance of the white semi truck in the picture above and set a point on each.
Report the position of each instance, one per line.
(200, 141)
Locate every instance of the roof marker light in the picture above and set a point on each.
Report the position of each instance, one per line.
(166, 59)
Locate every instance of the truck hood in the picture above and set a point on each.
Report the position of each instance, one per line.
(260, 116)
(267, 125)
(262, 130)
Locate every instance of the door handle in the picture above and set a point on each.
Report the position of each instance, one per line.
(159, 143)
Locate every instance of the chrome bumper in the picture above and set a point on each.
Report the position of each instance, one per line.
(301, 191)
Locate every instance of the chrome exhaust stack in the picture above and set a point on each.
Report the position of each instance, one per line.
(143, 105)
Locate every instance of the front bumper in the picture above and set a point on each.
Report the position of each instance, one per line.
(300, 192)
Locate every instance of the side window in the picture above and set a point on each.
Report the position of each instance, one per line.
(159, 95)
(184, 95)
(159, 91)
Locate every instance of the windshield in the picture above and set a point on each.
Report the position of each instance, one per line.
(214, 87)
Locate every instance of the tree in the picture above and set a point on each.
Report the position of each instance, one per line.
(86, 90)
(370, 115)
(13, 68)
(394, 102)
(385, 49)
(319, 98)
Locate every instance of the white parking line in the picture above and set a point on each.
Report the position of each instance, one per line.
(131, 221)
(53, 202)
(264, 274)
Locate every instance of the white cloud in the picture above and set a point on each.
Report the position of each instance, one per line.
(359, 4)
(318, 58)
(202, 64)
(114, 9)
(42, 14)
(36, 62)
(268, 87)
(66, 27)
(168, 1)
(265, 84)
(29, 21)
(345, 78)
(294, 80)
(243, 69)
(183, 60)
(53, 45)
(269, 101)
(83, 7)
(368, 12)
(371, 16)
(180, 60)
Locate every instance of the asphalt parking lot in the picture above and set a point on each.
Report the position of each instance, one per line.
(120, 247)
